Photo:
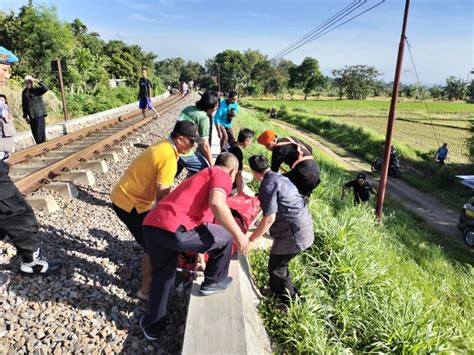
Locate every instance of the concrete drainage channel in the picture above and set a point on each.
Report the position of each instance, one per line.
(82, 310)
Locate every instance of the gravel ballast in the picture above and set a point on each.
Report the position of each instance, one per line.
(89, 307)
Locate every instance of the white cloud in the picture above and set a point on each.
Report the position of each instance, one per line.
(142, 18)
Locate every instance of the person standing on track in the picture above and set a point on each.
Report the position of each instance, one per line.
(145, 93)
(201, 115)
(224, 119)
(362, 189)
(34, 111)
(17, 220)
(287, 217)
(304, 171)
(183, 221)
(147, 180)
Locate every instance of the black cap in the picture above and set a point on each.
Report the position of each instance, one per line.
(187, 129)
(361, 176)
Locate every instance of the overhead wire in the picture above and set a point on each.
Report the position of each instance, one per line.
(422, 93)
(316, 36)
(317, 28)
(330, 27)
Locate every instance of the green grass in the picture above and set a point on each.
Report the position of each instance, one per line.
(368, 287)
(435, 106)
(415, 143)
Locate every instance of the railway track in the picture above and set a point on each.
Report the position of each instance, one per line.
(32, 167)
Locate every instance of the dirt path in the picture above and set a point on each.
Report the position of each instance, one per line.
(435, 215)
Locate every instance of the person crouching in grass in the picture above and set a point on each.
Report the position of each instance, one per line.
(287, 217)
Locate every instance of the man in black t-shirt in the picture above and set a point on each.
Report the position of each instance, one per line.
(145, 93)
(243, 141)
(304, 171)
(362, 189)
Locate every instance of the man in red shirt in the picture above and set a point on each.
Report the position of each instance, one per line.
(183, 221)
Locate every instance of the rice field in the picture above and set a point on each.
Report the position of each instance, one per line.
(448, 122)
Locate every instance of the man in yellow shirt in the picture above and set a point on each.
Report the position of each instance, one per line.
(147, 180)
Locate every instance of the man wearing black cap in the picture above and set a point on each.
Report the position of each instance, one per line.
(362, 189)
(17, 220)
(147, 180)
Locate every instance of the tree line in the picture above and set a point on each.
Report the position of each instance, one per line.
(37, 36)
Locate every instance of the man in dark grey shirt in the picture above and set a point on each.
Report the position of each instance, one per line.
(288, 219)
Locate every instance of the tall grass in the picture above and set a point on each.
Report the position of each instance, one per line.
(368, 287)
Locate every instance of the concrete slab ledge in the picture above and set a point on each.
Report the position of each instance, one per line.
(25, 139)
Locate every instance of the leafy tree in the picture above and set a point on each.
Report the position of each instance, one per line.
(456, 88)
(37, 36)
(234, 69)
(306, 76)
(207, 82)
(471, 91)
(169, 70)
(358, 81)
(191, 71)
(437, 92)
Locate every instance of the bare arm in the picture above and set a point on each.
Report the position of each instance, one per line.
(263, 227)
(218, 205)
(161, 192)
(206, 149)
(343, 193)
(239, 182)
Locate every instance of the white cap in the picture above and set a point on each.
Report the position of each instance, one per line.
(28, 78)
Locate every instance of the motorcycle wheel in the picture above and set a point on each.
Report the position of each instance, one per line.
(374, 168)
(469, 237)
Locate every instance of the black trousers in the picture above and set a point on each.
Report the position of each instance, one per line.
(305, 176)
(280, 279)
(164, 248)
(134, 222)
(18, 222)
(38, 129)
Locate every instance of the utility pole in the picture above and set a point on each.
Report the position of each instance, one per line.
(61, 83)
(218, 80)
(391, 116)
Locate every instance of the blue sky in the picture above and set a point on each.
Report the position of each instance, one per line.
(441, 32)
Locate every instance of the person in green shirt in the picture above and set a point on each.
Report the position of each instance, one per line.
(201, 115)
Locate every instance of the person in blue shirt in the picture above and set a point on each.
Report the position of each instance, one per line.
(442, 153)
(224, 118)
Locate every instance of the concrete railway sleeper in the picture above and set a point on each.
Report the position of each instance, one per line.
(35, 166)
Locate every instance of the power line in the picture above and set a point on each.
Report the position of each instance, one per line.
(421, 89)
(326, 30)
(348, 7)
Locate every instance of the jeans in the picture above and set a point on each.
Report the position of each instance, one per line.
(193, 163)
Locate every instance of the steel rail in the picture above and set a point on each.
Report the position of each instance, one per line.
(42, 176)
(59, 142)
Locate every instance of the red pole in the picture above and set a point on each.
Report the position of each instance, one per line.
(391, 116)
(61, 83)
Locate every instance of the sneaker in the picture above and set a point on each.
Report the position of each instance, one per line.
(40, 266)
(217, 287)
(143, 296)
(148, 336)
